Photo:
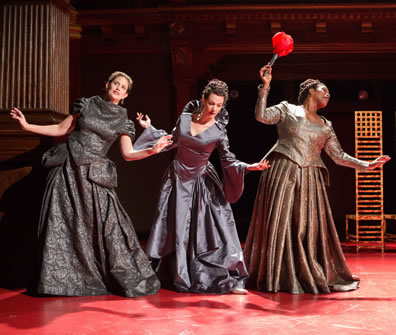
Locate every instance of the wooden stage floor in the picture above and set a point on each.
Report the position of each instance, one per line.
(369, 310)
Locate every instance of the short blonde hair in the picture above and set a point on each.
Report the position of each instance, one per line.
(121, 74)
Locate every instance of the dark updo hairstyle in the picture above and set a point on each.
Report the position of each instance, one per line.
(217, 87)
(304, 89)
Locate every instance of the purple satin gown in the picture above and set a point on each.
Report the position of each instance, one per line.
(194, 245)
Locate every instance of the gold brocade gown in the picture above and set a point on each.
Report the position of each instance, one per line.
(292, 244)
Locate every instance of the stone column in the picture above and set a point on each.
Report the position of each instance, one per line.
(75, 59)
(34, 76)
(34, 68)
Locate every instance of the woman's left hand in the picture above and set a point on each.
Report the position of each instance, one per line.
(162, 143)
(262, 165)
(378, 162)
(143, 123)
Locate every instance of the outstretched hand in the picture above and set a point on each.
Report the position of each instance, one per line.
(162, 143)
(262, 165)
(143, 123)
(266, 79)
(16, 114)
(378, 162)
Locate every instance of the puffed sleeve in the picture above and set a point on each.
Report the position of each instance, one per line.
(79, 106)
(128, 128)
(233, 170)
(337, 154)
(57, 155)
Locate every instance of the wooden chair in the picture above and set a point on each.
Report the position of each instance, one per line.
(369, 220)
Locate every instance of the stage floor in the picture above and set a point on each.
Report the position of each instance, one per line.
(370, 309)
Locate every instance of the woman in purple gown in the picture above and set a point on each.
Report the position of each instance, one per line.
(87, 242)
(194, 245)
(292, 244)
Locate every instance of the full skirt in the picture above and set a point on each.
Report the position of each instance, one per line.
(292, 244)
(88, 243)
(194, 245)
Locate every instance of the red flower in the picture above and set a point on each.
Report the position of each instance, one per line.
(282, 43)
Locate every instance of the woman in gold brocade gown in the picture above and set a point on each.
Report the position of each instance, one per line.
(292, 244)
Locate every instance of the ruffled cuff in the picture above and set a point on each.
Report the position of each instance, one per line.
(234, 181)
(148, 138)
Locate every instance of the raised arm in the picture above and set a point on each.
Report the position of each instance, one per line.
(60, 129)
(271, 115)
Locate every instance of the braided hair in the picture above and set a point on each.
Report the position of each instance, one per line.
(304, 89)
(217, 87)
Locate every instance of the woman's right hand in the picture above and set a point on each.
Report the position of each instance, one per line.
(143, 123)
(16, 114)
(266, 79)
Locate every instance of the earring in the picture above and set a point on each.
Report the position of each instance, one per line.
(122, 101)
(199, 116)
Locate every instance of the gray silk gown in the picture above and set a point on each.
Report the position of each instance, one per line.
(194, 245)
(88, 243)
(292, 243)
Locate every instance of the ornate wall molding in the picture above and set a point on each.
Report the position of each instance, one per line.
(325, 48)
(152, 16)
(253, 13)
(248, 13)
(203, 40)
(251, 23)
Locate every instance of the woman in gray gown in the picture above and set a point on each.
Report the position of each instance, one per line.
(87, 242)
(194, 245)
(292, 244)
